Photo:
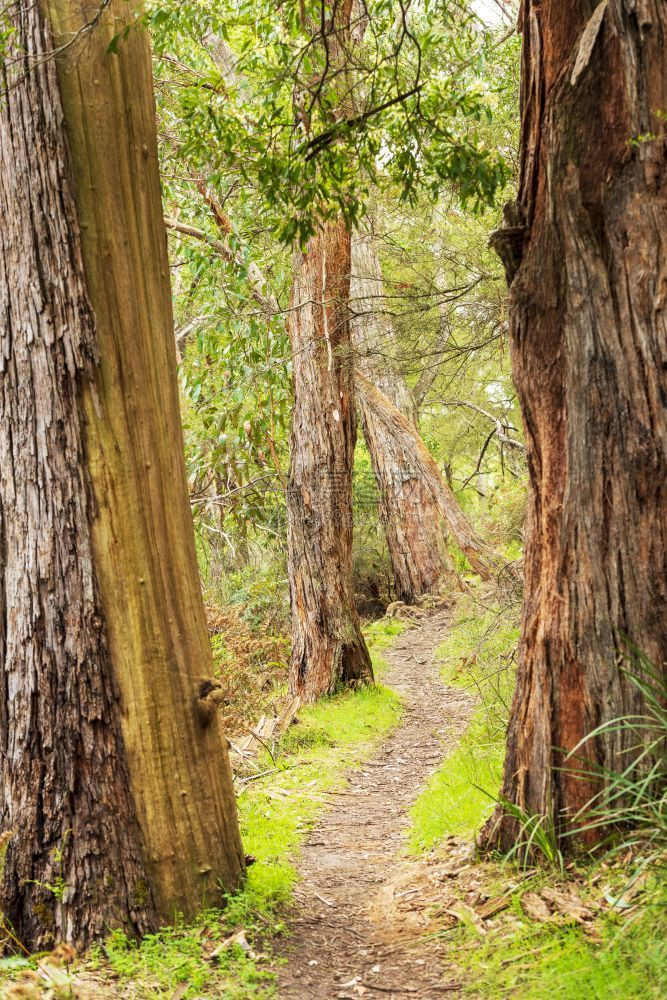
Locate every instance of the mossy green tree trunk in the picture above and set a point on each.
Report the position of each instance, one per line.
(116, 789)
(585, 257)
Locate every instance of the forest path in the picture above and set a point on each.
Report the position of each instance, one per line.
(348, 937)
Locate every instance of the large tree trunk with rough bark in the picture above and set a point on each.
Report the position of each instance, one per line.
(413, 526)
(328, 649)
(585, 255)
(116, 793)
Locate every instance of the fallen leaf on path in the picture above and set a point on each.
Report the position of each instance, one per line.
(239, 939)
(536, 908)
(568, 904)
(466, 914)
(624, 901)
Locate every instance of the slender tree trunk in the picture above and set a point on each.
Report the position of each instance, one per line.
(328, 648)
(413, 526)
(115, 783)
(394, 426)
(585, 256)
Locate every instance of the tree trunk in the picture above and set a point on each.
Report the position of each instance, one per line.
(116, 785)
(584, 252)
(394, 426)
(328, 648)
(413, 527)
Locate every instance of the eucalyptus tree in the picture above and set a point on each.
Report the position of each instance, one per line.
(389, 421)
(428, 329)
(583, 249)
(328, 649)
(413, 526)
(324, 101)
(117, 807)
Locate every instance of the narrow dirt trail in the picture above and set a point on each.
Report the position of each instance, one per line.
(343, 943)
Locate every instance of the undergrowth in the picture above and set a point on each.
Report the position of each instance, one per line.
(617, 959)
(631, 807)
(250, 661)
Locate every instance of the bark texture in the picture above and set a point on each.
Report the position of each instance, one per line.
(65, 783)
(115, 782)
(328, 648)
(585, 253)
(413, 526)
(481, 556)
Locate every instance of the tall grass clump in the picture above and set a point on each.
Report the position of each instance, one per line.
(631, 806)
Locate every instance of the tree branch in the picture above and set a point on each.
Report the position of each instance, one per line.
(267, 302)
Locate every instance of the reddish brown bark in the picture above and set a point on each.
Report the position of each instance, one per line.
(413, 525)
(394, 426)
(328, 649)
(586, 260)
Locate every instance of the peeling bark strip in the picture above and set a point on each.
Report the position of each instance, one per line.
(328, 648)
(119, 796)
(413, 526)
(65, 784)
(483, 559)
(589, 347)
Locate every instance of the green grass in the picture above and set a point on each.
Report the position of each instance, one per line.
(452, 802)
(532, 961)
(175, 955)
(379, 636)
(477, 654)
(329, 739)
(275, 812)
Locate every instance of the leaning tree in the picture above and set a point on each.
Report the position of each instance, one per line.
(117, 806)
(413, 526)
(585, 257)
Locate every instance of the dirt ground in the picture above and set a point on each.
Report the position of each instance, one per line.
(369, 919)
(350, 935)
